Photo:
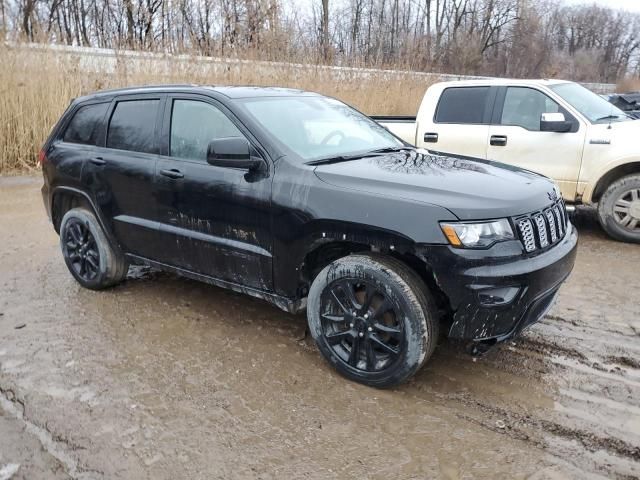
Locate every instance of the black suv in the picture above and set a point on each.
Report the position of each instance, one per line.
(299, 199)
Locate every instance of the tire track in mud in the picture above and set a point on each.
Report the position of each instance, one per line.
(594, 384)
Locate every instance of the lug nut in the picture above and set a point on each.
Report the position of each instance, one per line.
(366, 315)
(351, 325)
(370, 329)
(361, 334)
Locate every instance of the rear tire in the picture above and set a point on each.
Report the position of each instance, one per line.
(373, 319)
(619, 209)
(89, 256)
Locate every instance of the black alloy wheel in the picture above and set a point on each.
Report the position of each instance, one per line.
(82, 250)
(360, 324)
(372, 318)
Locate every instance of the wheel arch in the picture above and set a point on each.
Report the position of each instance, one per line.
(65, 198)
(322, 254)
(610, 176)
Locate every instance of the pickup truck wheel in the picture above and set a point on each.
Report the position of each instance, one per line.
(373, 319)
(619, 209)
(89, 256)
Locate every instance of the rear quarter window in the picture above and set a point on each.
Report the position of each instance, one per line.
(84, 127)
(465, 105)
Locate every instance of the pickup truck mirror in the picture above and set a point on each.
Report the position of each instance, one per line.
(232, 152)
(554, 122)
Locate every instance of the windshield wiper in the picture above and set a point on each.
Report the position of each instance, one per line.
(346, 158)
(392, 149)
(607, 117)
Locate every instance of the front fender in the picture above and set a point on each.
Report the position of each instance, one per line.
(601, 174)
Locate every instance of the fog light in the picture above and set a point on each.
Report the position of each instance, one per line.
(497, 296)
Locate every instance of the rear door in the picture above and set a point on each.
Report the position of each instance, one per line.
(515, 137)
(460, 124)
(214, 221)
(121, 170)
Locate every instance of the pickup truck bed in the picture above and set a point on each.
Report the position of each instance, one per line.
(403, 126)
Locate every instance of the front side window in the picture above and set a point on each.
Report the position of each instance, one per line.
(84, 127)
(194, 125)
(315, 127)
(462, 105)
(132, 126)
(523, 107)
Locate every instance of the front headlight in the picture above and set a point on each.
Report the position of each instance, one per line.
(477, 234)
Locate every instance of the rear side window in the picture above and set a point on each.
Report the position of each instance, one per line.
(462, 105)
(84, 127)
(132, 126)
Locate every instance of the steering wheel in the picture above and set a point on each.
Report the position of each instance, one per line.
(332, 134)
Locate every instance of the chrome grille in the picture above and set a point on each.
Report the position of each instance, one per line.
(526, 232)
(551, 218)
(541, 227)
(540, 230)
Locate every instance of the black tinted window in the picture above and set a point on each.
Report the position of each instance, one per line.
(85, 125)
(132, 126)
(194, 125)
(462, 105)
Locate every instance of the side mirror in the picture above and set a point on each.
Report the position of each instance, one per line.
(554, 122)
(231, 152)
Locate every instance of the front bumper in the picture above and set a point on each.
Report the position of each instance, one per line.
(495, 293)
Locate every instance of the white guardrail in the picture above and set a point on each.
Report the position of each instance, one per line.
(110, 61)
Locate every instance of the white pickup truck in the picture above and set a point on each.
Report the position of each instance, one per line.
(556, 128)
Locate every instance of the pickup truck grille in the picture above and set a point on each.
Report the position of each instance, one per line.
(543, 229)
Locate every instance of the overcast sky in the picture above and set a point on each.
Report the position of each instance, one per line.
(631, 5)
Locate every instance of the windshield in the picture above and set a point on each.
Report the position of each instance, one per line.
(592, 106)
(318, 127)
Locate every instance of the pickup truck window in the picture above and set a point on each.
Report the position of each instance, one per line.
(319, 127)
(132, 126)
(595, 108)
(524, 106)
(194, 125)
(462, 105)
(84, 127)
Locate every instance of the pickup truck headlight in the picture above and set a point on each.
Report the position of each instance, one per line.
(477, 234)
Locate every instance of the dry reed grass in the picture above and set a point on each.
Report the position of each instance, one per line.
(35, 88)
(629, 84)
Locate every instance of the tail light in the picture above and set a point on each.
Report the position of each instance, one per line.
(42, 157)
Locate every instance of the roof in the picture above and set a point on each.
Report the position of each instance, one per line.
(506, 81)
(227, 91)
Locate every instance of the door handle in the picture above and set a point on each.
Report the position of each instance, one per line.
(431, 137)
(498, 140)
(173, 173)
(98, 161)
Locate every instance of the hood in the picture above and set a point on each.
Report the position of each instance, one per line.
(471, 189)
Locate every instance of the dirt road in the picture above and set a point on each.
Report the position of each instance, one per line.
(167, 378)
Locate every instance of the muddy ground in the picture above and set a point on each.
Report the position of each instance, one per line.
(168, 378)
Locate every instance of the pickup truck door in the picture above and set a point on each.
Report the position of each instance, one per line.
(460, 124)
(515, 137)
(214, 221)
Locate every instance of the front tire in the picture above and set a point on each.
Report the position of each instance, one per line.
(89, 256)
(373, 319)
(619, 209)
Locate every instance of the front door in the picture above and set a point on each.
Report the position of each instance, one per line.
(516, 139)
(213, 220)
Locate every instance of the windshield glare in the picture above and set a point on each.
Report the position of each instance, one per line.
(318, 127)
(595, 108)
